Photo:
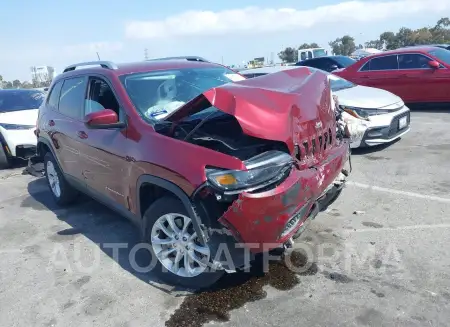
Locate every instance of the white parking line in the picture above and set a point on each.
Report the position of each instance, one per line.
(384, 229)
(393, 191)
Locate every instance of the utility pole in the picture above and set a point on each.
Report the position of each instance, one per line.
(222, 60)
(98, 56)
(146, 54)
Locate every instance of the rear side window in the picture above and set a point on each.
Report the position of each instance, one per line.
(384, 63)
(71, 101)
(53, 98)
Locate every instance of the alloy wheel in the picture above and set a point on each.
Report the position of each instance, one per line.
(53, 179)
(176, 246)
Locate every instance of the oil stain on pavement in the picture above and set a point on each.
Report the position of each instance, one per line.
(235, 290)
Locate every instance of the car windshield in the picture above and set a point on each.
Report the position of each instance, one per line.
(11, 100)
(345, 61)
(441, 54)
(319, 53)
(338, 83)
(156, 94)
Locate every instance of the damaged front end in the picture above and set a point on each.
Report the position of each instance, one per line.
(287, 130)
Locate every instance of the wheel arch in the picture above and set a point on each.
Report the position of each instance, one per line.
(173, 190)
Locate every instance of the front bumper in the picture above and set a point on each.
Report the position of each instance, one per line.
(382, 129)
(20, 143)
(266, 220)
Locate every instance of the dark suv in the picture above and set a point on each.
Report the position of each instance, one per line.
(196, 155)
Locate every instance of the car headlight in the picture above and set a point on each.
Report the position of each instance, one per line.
(16, 127)
(363, 113)
(262, 170)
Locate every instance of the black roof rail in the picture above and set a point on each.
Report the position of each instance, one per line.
(103, 64)
(188, 58)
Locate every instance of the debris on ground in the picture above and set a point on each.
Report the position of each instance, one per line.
(359, 212)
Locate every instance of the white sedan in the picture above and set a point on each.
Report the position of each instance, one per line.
(373, 116)
(19, 110)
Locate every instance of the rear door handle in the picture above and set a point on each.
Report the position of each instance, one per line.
(365, 76)
(51, 123)
(82, 135)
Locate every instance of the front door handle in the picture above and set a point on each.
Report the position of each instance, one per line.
(51, 123)
(365, 76)
(82, 135)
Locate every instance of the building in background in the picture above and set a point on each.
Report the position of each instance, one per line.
(42, 74)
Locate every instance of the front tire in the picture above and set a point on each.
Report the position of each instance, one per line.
(180, 258)
(63, 193)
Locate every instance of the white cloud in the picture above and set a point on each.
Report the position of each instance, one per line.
(257, 20)
(92, 47)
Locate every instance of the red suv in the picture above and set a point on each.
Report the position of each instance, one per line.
(196, 155)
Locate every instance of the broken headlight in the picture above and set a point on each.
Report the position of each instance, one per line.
(363, 113)
(262, 170)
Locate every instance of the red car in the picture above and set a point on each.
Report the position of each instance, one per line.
(418, 74)
(195, 155)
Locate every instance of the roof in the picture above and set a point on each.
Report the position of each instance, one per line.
(421, 48)
(139, 67)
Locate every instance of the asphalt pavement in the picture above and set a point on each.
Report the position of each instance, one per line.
(377, 257)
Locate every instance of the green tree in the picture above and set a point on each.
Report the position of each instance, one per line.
(16, 84)
(343, 46)
(7, 85)
(440, 33)
(308, 46)
(288, 55)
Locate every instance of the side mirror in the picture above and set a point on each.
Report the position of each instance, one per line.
(434, 64)
(103, 119)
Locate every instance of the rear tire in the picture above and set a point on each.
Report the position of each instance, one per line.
(173, 246)
(5, 161)
(63, 193)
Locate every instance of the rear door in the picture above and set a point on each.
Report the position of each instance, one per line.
(381, 72)
(65, 122)
(419, 81)
(105, 162)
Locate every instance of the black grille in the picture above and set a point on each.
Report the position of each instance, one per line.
(317, 145)
(393, 129)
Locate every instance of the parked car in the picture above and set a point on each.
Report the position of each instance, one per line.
(304, 54)
(18, 114)
(195, 159)
(328, 63)
(416, 74)
(374, 116)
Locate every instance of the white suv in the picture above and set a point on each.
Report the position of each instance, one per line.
(19, 110)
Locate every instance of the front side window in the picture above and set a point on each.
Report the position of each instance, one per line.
(384, 63)
(100, 97)
(12, 100)
(413, 61)
(157, 94)
(319, 53)
(442, 55)
(71, 100)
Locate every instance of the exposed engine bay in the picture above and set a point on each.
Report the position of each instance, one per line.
(220, 132)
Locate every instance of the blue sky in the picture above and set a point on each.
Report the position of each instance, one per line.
(58, 33)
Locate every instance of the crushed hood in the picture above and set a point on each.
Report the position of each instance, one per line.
(285, 106)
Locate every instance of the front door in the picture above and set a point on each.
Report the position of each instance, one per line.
(421, 82)
(104, 151)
